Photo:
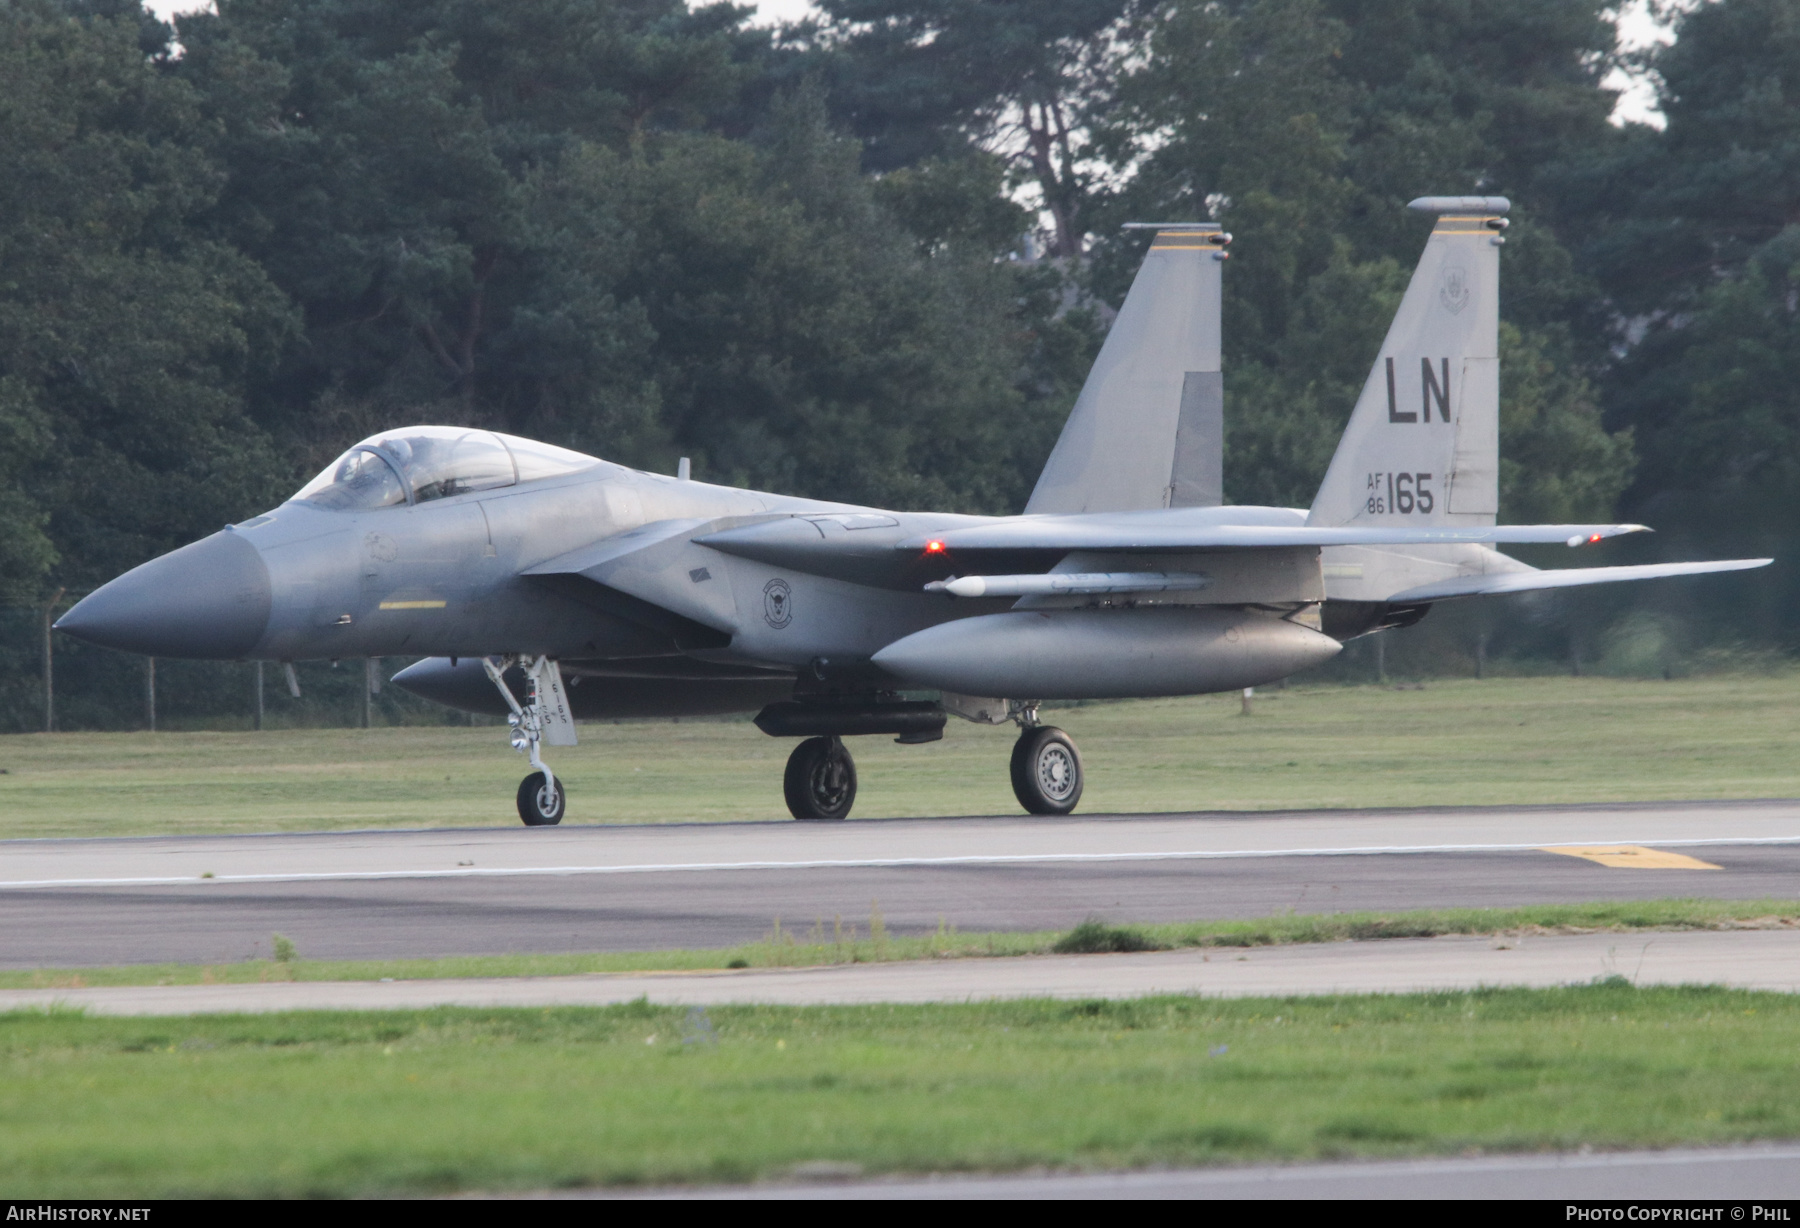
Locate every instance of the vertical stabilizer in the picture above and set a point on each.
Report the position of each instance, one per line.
(1423, 445)
(1148, 429)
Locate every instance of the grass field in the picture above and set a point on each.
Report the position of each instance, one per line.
(404, 1102)
(845, 944)
(1536, 740)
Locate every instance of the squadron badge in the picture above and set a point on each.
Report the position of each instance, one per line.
(778, 604)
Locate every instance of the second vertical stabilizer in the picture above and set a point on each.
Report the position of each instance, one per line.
(1423, 444)
(1148, 429)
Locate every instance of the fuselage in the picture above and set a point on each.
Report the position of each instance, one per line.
(444, 578)
(688, 596)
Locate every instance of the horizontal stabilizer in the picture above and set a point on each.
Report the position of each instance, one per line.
(1182, 529)
(1568, 577)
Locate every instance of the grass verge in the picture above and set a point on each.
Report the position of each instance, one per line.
(1503, 741)
(327, 1104)
(785, 948)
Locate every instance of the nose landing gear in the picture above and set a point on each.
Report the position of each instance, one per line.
(544, 717)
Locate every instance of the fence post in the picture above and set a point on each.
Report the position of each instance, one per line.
(150, 693)
(259, 697)
(49, 668)
(368, 688)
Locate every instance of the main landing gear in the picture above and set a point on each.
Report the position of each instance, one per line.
(1046, 770)
(820, 782)
(541, 797)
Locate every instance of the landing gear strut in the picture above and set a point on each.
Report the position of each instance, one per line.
(541, 798)
(1046, 767)
(821, 780)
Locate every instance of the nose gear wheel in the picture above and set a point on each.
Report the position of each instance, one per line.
(1046, 771)
(820, 782)
(541, 800)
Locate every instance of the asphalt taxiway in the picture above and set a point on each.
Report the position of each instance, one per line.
(369, 895)
(1734, 1177)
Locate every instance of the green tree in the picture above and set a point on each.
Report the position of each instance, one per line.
(1675, 211)
(126, 336)
(632, 247)
(26, 552)
(917, 79)
(1699, 251)
(1558, 463)
(1242, 113)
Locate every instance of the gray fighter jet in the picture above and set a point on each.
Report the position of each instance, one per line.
(548, 586)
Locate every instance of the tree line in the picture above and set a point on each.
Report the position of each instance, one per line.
(868, 256)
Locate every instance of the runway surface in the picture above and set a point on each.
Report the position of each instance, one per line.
(1757, 959)
(1734, 1175)
(370, 895)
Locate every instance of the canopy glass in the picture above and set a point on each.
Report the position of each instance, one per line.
(417, 464)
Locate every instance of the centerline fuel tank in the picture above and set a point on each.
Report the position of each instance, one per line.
(1102, 654)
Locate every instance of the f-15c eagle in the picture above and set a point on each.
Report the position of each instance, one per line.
(548, 586)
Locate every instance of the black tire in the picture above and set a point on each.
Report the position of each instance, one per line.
(820, 782)
(536, 806)
(1046, 771)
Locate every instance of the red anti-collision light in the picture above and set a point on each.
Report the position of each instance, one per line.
(1592, 538)
(934, 547)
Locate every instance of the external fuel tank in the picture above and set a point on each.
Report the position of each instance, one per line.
(1105, 654)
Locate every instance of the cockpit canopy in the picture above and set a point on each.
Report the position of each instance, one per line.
(416, 464)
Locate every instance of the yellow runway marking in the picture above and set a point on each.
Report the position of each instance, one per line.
(1633, 857)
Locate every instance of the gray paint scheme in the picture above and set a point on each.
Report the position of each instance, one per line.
(1098, 654)
(1198, 475)
(664, 595)
(211, 598)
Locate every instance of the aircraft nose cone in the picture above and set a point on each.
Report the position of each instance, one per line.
(209, 600)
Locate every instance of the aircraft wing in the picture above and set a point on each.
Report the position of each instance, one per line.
(1529, 581)
(1177, 529)
(904, 555)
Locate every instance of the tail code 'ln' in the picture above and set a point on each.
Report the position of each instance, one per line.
(1434, 390)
